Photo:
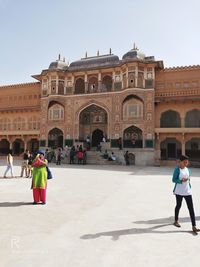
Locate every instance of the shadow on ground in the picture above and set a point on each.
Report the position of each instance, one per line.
(14, 204)
(163, 222)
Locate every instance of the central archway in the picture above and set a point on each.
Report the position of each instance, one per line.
(55, 138)
(97, 137)
(93, 122)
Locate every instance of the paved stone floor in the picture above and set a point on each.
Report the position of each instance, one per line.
(97, 216)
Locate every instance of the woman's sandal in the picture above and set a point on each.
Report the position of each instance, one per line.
(177, 224)
(195, 230)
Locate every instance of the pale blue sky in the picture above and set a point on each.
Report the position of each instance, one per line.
(34, 32)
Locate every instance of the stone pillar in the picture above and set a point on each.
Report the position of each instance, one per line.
(182, 122)
(86, 83)
(136, 76)
(127, 83)
(56, 85)
(183, 144)
(73, 84)
(10, 144)
(157, 149)
(99, 89)
(113, 80)
(49, 86)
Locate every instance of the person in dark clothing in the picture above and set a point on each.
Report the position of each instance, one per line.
(120, 143)
(126, 157)
(72, 154)
(182, 189)
(58, 162)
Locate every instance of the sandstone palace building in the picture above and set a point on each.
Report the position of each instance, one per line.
(155, 110)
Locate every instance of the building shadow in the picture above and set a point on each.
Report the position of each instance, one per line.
(162, 223)
(14, 204)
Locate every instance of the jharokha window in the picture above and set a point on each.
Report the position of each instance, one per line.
(56, 112)
(132, 109)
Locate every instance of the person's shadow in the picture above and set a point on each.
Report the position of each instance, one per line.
(14, 204)
(162, 222)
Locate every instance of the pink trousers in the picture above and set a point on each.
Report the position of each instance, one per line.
(39, 195)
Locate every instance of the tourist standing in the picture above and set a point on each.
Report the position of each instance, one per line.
(24, 166)
(9, 160)
(182, 189)
(39, 178)
(58, 157)
(120, 143)
(126, 157)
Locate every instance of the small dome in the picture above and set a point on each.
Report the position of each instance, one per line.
(58, 64)
(134, 54)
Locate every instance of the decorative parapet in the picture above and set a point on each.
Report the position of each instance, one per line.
(19, 85)
(177, 93)
(181, 68)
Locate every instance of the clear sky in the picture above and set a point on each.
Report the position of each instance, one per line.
(34, 32)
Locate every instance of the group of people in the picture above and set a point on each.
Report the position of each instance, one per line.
(77, 155)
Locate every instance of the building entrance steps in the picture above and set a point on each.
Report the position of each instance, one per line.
(96, 157)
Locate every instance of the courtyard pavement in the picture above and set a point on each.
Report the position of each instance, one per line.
(97, 216)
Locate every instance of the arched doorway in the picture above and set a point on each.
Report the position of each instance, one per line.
(4, 147)
(33, 145)
(55, 138)
(133, 137)
(192, 148)
(93, 122)
(79, 86)
(97, 137)
(170, 148)
(18, 147)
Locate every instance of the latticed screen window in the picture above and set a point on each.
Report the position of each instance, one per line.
(19, 124)
(56, 112)
(133, 110)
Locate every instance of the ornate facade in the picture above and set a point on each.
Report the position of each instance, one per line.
(156, 111)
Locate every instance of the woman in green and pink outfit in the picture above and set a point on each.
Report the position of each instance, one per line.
(39, 180)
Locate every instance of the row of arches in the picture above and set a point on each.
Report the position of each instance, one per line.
(93, 85)
(171, 148)
(132, 137)
(18, 146)
(172, 119)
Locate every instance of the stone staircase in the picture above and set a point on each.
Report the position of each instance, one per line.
(95, 158)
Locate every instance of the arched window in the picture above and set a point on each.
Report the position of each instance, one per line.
(107, 83)
(79, 86)
(131, 79)
(170, 119)
(132, 108)
(55, 138)
(192, 118)
(133, 137)
(140, 79)
(56, 112)
(61, 87)
(33, 123)
(93, 85)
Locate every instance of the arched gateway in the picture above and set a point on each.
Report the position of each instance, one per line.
(93, 122)
(55, 138)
